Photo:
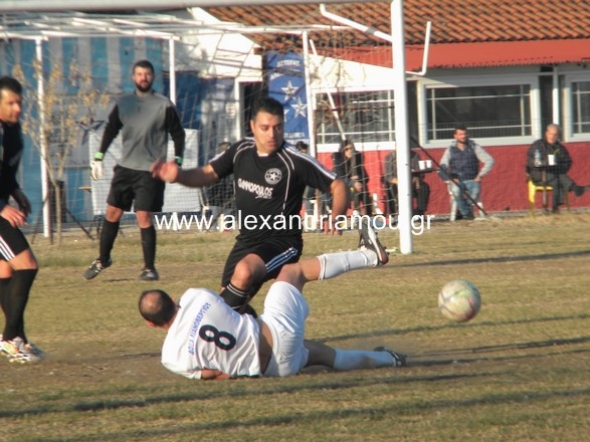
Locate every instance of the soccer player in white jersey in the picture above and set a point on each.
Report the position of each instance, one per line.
(208, 340)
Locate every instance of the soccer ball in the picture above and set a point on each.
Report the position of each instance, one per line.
(459, 300)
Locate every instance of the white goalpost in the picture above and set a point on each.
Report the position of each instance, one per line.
(402, 136)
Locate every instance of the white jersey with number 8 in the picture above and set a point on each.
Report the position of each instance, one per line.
(208, 334)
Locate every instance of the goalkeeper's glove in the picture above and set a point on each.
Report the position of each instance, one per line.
(178, 161)
(96, 171)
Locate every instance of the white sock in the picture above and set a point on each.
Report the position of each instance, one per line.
(355, 359)
(334, 264)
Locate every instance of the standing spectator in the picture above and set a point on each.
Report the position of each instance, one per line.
(555, 175)
(460, 169)
(269, 179)
(145, 119)
(420, 189)
(349, 166)
(18, 266)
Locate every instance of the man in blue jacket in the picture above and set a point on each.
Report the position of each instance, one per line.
(460, 168)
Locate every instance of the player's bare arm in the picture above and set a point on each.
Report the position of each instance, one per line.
(23, 202)
(171, 173)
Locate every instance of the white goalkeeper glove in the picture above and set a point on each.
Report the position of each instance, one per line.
(96, 171)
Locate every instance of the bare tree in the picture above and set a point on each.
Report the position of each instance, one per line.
(54, 122)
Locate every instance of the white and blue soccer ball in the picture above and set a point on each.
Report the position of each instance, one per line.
(459, 300)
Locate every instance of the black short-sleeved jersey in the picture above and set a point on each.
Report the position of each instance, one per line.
(269, 189)
(11, 149)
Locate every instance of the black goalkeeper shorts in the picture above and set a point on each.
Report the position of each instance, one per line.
(136, 188)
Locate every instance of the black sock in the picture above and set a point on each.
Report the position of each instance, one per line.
(4, 293)
(108, 234)
(234, 297)
(18, 295)
(148, 243)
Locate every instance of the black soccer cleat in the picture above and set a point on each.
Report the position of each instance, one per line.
(399, 359)
(149, 275)
(95, 268)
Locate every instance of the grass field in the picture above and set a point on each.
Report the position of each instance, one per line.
(519, 371)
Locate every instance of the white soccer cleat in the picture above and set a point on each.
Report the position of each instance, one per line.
(17, 351)
(368, 240)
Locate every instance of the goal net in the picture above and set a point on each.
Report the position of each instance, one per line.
(332, 76)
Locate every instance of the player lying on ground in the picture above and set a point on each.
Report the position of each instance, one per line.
(208, 340)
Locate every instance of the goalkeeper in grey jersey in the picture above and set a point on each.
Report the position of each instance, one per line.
(144, 119)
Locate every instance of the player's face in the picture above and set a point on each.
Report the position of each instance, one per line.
(10, 106)
(461, 136)
(268, 132)
(143, 79)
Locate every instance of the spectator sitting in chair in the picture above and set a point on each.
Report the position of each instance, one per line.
(543, 174)
(460, 169)
(420, 189)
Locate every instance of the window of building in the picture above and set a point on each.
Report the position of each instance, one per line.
(581, 106)
(488, 111)
(362, 116)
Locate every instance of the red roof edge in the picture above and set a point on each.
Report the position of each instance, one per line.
(470, 55)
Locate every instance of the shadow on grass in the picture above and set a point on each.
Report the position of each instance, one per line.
(523, 258)
(417, 361)
(399, 408)
(200, 395)
(515, 346)
(117, 280)
(426, 328)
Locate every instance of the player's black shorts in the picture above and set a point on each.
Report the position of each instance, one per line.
(275, 252)
(12, 241)
(138, 188)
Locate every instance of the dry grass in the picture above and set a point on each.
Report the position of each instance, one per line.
(517, 372)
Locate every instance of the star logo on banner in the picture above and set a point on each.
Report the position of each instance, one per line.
(289, 90)
(87, 127)
(299, 108)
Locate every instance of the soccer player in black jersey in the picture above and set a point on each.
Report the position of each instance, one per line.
(18, 266)
(145, 119)
(270, 177)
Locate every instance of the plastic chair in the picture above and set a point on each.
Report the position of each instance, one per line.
(532, 192)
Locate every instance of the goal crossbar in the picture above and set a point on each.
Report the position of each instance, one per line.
(117, 5)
